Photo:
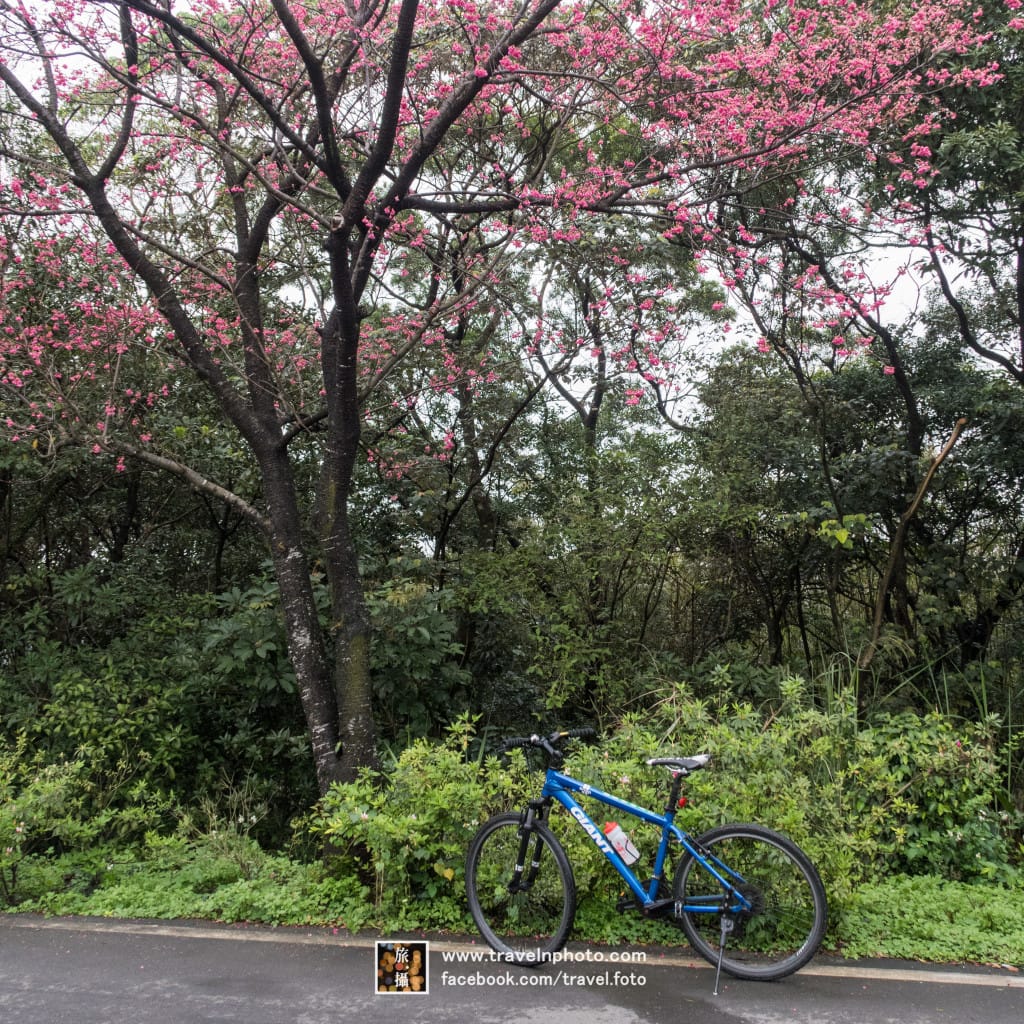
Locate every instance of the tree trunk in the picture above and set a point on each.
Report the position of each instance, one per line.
(302, 624)
(893, 582)
(350, 619)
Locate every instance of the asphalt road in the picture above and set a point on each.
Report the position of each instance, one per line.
(122, 972)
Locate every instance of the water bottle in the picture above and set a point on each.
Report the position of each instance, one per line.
(620, 840)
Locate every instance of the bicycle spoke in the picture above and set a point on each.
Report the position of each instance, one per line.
(783, 918)
(525, 913)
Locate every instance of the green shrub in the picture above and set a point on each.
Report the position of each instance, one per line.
(904, 793)
(404, 833)
(418, 681)
(184, 700)
(931, 790)
(41, 812)
(900, 792)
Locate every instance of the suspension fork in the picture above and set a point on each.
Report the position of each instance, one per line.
(534, 814)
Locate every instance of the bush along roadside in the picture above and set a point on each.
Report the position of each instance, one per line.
(903, 815)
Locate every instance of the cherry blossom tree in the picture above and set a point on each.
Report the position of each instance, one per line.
(864, 260)
(269, 197)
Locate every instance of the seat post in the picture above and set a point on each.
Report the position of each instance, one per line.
(673, 794)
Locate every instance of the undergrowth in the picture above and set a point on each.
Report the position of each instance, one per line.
(904, 816)
(920, 918)
(928, 918)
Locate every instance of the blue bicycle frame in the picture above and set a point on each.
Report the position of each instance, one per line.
(560, 787)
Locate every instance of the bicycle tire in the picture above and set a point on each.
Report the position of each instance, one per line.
(787, 924)
(525, 927)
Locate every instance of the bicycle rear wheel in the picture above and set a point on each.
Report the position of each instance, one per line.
(786, 923)
(521, 889)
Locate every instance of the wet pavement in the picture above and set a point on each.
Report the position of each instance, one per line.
(91, 971)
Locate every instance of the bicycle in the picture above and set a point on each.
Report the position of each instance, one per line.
(751, 888)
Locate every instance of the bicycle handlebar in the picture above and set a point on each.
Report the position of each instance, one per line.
(549, 744)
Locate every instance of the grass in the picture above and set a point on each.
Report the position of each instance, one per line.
(918, 918)
(927, 918)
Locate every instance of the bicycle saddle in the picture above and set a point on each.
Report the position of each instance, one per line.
(681, 764)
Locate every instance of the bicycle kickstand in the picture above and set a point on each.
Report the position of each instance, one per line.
(727, 926)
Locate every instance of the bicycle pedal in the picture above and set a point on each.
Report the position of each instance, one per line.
(627, 901)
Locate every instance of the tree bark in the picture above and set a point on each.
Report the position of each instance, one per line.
(897, 548)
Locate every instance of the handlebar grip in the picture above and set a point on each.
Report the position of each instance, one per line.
(511, 742)
(585, 733)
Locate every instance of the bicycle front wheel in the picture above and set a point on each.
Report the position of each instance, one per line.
(785, 923)
(521, 890)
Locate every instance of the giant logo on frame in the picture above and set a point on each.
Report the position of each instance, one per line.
(592, 830)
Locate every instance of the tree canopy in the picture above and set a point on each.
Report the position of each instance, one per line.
(273, 248)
